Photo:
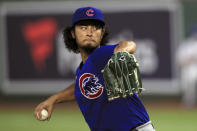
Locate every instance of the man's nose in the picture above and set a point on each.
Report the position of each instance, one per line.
(89, 31)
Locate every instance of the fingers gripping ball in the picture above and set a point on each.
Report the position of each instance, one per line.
(44, 114)
(122, 76)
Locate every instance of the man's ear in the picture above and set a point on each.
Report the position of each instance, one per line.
(73, 34)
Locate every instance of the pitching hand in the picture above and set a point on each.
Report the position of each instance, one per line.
(48, 105)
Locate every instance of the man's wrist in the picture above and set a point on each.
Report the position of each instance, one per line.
(53, 99)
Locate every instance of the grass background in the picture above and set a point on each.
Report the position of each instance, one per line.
(18, 116)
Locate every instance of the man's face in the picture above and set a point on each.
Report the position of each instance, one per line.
(88, 35)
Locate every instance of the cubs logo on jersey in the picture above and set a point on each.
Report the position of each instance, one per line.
(89, 86)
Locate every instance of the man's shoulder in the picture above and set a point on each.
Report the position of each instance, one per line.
(105, 48)
(101, 55)
(108, 46)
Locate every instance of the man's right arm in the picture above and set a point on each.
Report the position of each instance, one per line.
(63, 96)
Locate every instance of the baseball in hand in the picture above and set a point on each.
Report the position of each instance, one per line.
(44, 114)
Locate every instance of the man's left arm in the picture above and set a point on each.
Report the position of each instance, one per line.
(127, 46)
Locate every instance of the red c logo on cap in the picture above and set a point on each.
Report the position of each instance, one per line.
(90, 12)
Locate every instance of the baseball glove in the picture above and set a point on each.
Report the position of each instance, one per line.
(122, 76)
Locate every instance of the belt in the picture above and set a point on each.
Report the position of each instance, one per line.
(148, 126)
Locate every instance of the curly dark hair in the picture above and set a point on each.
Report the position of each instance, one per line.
(71, 44)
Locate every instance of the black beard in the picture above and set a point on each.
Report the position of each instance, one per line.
(88, 49)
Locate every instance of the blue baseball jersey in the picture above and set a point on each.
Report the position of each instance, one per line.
(121, 114)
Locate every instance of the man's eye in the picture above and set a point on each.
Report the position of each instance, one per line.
(83, 28)
(95, 28)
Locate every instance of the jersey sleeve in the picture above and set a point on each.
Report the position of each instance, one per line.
(100, 56)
